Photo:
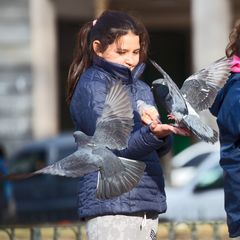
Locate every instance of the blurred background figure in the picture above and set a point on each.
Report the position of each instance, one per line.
(226, 109)
(7, 205)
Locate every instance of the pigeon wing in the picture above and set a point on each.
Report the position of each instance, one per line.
(174, 101)
(117, 175)
(201, 88)
(116, 122)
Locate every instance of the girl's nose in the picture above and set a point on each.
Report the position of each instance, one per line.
(129, 60)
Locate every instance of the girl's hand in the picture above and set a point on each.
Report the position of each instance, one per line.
(163, 130)
(150, 115)
(147, 112)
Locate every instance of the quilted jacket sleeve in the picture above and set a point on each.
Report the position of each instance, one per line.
(142, 142)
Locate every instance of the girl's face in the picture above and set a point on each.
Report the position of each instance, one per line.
(124, 51)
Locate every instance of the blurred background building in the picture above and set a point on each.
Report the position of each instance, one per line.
(37, 39)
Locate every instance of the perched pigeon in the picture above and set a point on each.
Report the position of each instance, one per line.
(197, 93)
(116, 175)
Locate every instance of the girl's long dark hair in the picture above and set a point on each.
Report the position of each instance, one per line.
(110, 26)
(233, 47)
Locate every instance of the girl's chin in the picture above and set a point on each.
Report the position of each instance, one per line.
(131, 68)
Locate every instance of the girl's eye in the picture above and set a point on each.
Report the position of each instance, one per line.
(120, 52)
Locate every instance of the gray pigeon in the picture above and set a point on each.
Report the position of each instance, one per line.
(116, 175)
(197, 93)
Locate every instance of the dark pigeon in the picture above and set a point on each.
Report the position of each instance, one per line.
(116, 175)
(197, 93)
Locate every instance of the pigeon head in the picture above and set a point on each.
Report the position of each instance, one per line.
(160, 88)
(80, 137)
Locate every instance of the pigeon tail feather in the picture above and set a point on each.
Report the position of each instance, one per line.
(121, 181)
(200, 129)
(53, 170)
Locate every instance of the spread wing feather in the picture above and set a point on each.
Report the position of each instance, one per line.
(116, 121)
(201, 88)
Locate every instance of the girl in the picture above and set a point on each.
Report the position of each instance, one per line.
(113, 48)
(226, 109)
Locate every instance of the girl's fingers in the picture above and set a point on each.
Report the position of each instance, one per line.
(152, 113)
(146, 119)
(178, 130)
(153, 125)
(182, 131)
(162, 130)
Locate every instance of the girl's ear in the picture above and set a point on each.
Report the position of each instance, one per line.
(97, 47)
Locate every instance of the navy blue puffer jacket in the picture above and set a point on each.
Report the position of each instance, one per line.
(227, 110)
(86, 106)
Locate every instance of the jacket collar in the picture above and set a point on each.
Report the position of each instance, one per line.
(235, 64)
(119, 71)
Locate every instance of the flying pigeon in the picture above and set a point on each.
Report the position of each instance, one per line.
(197, 93)
(116, 175)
